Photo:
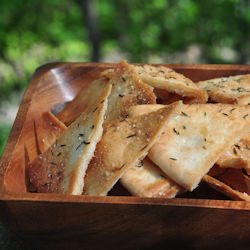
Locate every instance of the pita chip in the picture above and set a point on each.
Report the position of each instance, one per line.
(232, 89)
(195, 139)
(164, 78)
(238, 156)
(86, 98)
(123, 145)
(230, 182)
(62, 167)
(147, 180)
(127, 90)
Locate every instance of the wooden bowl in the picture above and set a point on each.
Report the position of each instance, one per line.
(198, 220)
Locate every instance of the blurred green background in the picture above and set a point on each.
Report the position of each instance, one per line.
(157, 31)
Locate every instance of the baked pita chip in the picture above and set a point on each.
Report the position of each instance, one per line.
(127, 90)
(238, 156)
(229, 182)
(123, 145)
(86, 98)
(233, 89)
(161, 77)
(144, 109)
(62, 167)
(147, 180)
(195, 139)
(47, 129)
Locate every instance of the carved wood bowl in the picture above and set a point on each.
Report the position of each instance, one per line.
(203, 219)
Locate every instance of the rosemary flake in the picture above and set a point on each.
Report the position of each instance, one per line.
(176, 131)
(129, 136)
(232, 110)
(235, 151)
(95, 109)
(184, 114)
(173, 159)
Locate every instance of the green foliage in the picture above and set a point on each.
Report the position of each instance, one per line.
(35, 32)
(4, 133)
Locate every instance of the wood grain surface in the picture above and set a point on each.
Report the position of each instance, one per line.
(86, 222)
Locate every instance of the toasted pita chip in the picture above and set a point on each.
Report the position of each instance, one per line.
(86, 98)
(62, 167)
(147, 180)
(195, 139)
(233, 89)
(144, 109)
(238, 156)
(229, 182)
(47, 129)
(161, 77)
(127, 90)
(122, 146)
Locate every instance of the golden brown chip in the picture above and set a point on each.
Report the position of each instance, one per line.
(147, 180)
(233, 89)
(86, 98)
(62, 167)
(195, 139)
(229, 182)
(161, 77)
(123, 145)
(127, 90)
(238, 156)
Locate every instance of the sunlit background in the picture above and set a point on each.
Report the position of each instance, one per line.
(157, 31)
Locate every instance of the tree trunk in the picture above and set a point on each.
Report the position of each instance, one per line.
(90, 15)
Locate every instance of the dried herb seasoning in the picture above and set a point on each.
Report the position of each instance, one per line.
(173, 159)
(177, 132)
(129, 136)
(184, 114)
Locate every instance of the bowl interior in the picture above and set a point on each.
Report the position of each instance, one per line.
(50, 88)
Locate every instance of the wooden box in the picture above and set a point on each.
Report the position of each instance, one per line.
(119, 221)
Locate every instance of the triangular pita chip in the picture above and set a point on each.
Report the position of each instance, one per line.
(161, 77)
(86, 98)
(127, 90)
(123, 145)
(147, 180)
(62, 167)
(230, 182)
(233, 89)
(195, 139)
(238, 156)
